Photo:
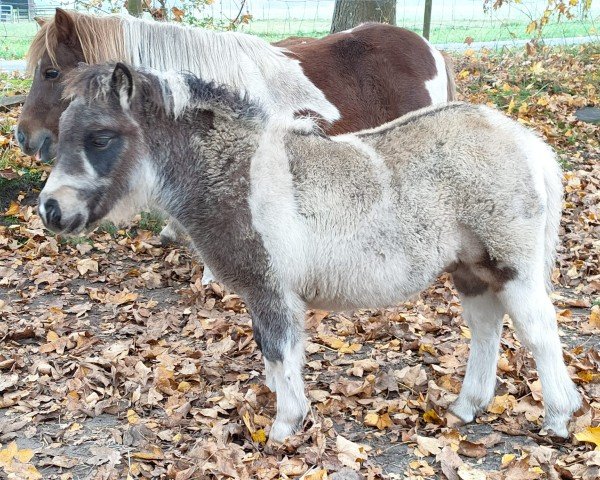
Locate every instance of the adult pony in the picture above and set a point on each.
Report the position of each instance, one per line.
(372, 74)
(456, 188)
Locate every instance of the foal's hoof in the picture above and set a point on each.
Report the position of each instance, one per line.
(167, 240)
(281, 430)
(465, 411)
(554, 430)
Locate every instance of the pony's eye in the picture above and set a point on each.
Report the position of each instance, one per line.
(101, 141)
(51, 73)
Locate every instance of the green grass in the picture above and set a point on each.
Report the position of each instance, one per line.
(151, 221)
(16, 37)
(455, 32)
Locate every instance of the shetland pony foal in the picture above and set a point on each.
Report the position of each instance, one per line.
(457, 188)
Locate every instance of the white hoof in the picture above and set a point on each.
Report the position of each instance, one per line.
(207, 276)
(467, 409)
(168, 235)
(281, 430)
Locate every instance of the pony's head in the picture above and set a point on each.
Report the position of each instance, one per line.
(58, 47)
(100, 164)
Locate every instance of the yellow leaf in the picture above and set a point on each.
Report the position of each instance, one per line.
(13, 209)
(501, 403)
(531, 27)
(426, 347)
(465, 332)
(132, 417)
(587, 376)
(595, 316)
(591, 435)
(511, 106)
(184, 387)
(463, 74)
(524, 108)
(155, 453)
(380, 421)
(352, 348)
(320, 474)
(7, 455)
(507, 458)
(52, 336)
(75, 427)
(537, 68)
(431, 416)
(24, 456)
(259, 436)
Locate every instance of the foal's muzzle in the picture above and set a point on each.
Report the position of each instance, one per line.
(53, 218)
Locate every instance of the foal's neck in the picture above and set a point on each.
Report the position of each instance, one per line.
(204, 165)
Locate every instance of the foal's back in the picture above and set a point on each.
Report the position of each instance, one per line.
(395, 206)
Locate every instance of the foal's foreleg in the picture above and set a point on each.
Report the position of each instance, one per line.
(483, 314)
(279, 333)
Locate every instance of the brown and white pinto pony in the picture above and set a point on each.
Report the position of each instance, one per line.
(364, 77)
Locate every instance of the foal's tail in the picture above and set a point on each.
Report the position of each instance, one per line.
(450, 76)
(554, 200)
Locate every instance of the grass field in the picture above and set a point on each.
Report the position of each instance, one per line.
(16, 37)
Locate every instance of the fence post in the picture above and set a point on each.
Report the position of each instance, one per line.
(427, 19)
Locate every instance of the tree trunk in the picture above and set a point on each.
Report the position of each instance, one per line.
(350, 13)
(134, 7)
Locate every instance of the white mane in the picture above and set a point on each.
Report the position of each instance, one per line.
(245, 62)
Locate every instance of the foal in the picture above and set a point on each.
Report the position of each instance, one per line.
(456, 188)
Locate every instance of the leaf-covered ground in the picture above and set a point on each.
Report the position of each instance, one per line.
(115, 363)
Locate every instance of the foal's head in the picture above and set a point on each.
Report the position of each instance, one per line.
(100, 165)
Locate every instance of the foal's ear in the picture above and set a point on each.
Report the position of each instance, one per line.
(65, 27)
(40, 21)
(121, 82)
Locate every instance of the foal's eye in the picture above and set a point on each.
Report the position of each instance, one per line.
(51, 73)
(101, 141)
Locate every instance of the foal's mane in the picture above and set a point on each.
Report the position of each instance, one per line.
(101, 39)
(160, 89)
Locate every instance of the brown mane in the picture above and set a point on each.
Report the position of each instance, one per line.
(88, 29)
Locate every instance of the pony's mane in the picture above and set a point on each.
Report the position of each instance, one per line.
(247, 63)
(170, 92)
(101, 39)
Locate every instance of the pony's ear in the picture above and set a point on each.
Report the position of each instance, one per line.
(121, 83)
(40, 21)
(65, 27)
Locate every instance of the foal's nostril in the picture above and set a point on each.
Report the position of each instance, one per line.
(52, 211)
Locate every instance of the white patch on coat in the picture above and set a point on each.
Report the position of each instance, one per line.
(245, 62)
(437, 87)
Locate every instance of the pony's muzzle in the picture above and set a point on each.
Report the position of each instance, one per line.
(61, 216)
(40, 142)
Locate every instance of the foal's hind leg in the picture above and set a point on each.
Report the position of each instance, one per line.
(483, 314)
(279, 332)
(534, 317)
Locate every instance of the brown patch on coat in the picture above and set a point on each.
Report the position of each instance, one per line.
(373, 74)
(474, 279)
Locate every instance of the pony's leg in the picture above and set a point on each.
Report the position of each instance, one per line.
(269, 376)
(171, 234)
(483, 314)
(534, 317)
(279, 333)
